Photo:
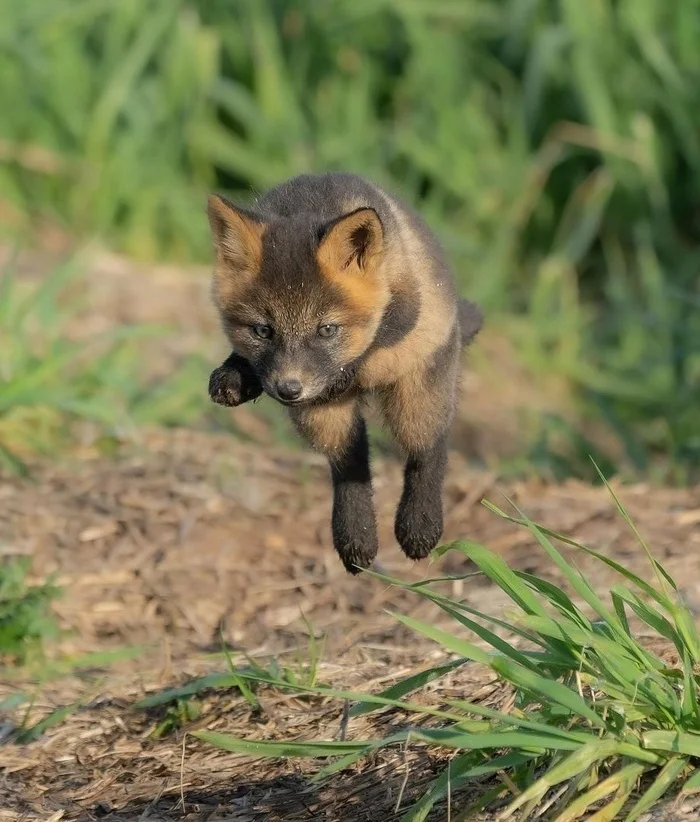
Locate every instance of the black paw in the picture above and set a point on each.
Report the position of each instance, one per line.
(418, 529)
(233, 386)
(357, 553)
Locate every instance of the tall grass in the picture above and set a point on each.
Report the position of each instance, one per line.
(59, 386)
(554, 144)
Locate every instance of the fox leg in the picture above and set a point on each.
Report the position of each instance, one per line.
(338, 430)
(419, 409)
(234, 382)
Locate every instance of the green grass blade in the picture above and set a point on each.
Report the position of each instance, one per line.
(576, 763)
(497, 570)
(581, 737)
(547, 689)
(268, 749)
(238, 682)
(496, 642)
(262, 677)
(648, 589)
(692, 784)
(461, 769)
(447, 640)
(664, 780)
(650, 616)
(558, 598)
(571, 633)
(438, 599)
(688, 630)
(408, 685)
(344, 762)
(619, 606)
(575, 579)
(582, 588)
(57, 716)
(679, 742)
(519, 740)
(691, 711)
(620, 782)
(608, 658)
(662, 576)
(211, 681)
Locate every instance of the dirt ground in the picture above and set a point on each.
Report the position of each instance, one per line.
(188, 537)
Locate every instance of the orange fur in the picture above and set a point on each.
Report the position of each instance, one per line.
(356, 272)
(237, 240)
(327, 427)
(415, 409)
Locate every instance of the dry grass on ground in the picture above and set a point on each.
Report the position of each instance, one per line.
(190, 536)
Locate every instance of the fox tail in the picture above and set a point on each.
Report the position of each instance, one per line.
(471, 319)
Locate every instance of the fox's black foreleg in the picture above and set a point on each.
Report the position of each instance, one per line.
(338, 430)
(234, 382)
(353, 521)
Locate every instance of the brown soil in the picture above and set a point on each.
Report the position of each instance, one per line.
(187, 537)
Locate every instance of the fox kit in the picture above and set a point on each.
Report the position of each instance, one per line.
(330, 291)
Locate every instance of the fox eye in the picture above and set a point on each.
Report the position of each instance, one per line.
(262, 331)
(327, 330)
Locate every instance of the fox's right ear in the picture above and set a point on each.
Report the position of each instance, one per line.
(236, 234)
(352, 243)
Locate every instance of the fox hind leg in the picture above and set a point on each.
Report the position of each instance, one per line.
(419, 409)
(419, 518)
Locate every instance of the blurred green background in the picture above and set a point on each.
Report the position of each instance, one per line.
(553, 144)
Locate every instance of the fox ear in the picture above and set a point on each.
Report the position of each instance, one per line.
(354, 241)
(236, 234)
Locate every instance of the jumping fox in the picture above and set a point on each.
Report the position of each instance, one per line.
(329, 291)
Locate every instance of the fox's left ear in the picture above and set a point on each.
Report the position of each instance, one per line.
(352, 242)
(236, 233)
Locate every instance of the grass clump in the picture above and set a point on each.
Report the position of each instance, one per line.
(26, 619)
(600, 722)
(180, 703)
(54, 376)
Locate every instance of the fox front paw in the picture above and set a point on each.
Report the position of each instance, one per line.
(231, 386)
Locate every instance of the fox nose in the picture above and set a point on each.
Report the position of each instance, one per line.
(289, 389)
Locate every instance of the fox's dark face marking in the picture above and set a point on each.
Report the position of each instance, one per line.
(302, 302)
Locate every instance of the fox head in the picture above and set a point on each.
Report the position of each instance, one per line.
(300, 299)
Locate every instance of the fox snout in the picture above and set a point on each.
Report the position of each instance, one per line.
(297, 387)
(289, 386)
(289, 389)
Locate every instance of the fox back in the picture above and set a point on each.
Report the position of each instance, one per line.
(327, 282)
